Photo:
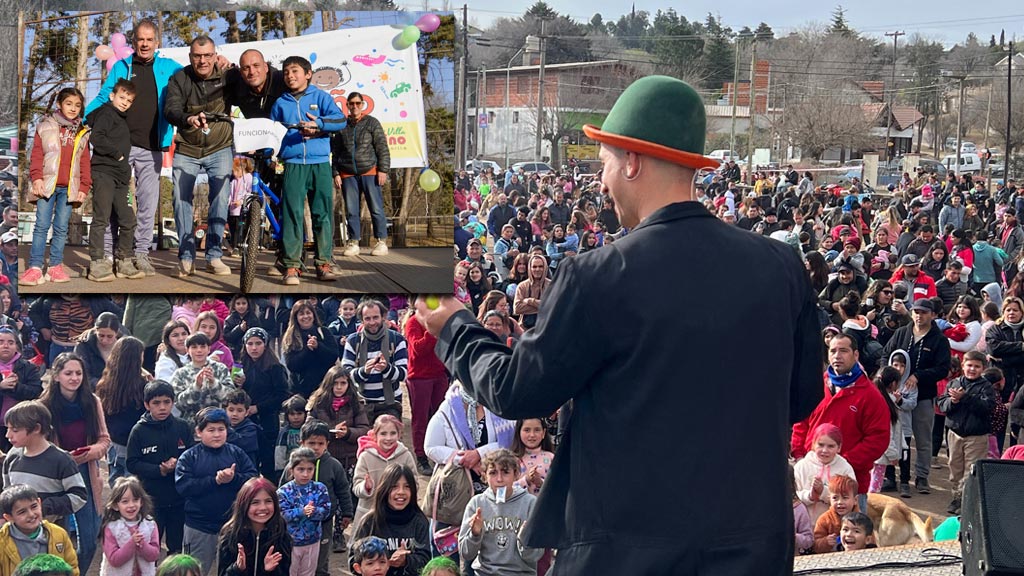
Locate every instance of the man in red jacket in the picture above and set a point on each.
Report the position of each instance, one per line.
(853, 403)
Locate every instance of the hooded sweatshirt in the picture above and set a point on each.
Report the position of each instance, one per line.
(498, 549)
(154, 441)
(987, 262)
(995, 293)
(908, 396)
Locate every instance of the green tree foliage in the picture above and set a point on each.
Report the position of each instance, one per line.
(630, 29)
(272, 25)
(839, 25)
(676, 44)
(597, 25)
(719, 52)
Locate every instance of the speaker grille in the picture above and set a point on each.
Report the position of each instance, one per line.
(1002, 510)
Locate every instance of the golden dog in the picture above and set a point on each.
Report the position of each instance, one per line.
(895, 523)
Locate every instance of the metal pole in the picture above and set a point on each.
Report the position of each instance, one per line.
(508, 116)
(483, 96)
(959, 124)
(476, 119)
(465, 81)
(890, 147)
(988, 167)
(460, 117)
(1009, 112)
(540, 95)
(732, 97)
(750, 127)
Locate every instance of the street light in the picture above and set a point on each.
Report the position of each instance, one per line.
(508, 75)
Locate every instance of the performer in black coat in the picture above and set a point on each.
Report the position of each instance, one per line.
(637, 485)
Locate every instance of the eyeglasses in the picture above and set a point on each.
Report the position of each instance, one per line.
(208, 56)
(355, 104)
(886, 291)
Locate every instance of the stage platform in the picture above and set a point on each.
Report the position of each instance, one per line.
(867, 560)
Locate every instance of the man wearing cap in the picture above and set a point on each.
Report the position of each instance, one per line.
(919, 284)
(475, 253)
(846, 280)
(9, 255)
(652, 143)
(929, 362)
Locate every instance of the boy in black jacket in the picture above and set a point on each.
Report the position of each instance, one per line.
(154, 445)
(331, 473)
(243, 433)
(111, 143)
(968, 404)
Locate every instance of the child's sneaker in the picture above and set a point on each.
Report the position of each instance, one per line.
(325, 274)
(143, 264)
(126, 269)
(57, 274)
(380, 248)
(291, 277)
(101, 270)
(351, 248)
(32, 277)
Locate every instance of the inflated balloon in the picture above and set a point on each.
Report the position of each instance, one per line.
(429, 180)
(312, 58)
(123, 52)
(117, 40)
(399, 43)
(410, 35)
(103, 52)
(433, 302)
(110, 64)
(428, 23)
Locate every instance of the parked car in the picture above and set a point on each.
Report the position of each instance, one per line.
(969, 163)
(724, 155)
(532, 167)
(486, 164)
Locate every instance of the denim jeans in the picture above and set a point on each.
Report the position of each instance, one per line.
(88, 525)
(218, 171)
(355, 187)
(54, 209)
(116, 462)
(55, 350)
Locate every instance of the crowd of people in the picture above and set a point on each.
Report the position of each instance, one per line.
(88, 152)
(232, 427)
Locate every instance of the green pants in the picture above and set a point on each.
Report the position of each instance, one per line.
(312, 181)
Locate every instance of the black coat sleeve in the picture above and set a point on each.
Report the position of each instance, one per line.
(175, 101)
(30, 383)
(805, 387)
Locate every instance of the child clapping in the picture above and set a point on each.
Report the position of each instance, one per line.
(814, 470)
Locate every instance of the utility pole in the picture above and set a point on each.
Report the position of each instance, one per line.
(483, 132)
(890, 147)
(732, 97)
(540, 93)
(959, 123)
(477, 130)
(460, 96)
(750, 128)
(988, 115)
(1009, 113)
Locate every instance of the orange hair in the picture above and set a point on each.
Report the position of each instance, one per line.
(842, 485)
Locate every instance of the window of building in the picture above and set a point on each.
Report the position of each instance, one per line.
(515, 117)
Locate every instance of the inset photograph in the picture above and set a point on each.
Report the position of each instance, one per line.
(227, 151)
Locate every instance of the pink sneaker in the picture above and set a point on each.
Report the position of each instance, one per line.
(32, 277)
(57, 274)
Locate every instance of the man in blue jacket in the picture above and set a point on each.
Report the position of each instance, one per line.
(150, 132)
(306, 152)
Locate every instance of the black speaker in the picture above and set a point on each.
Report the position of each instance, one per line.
(992, 519)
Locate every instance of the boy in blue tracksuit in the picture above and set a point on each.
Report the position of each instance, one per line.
(306, 152)
(209, 475)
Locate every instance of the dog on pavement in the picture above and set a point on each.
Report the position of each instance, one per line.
(895, 523)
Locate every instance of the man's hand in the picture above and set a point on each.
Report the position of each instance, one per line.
(912, 382)
(382, 177)
(198, 121)
(337, 181)
(434, 320)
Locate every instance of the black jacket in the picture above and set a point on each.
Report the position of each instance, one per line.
(253, 104)
(361, 146)
(30, 383)
(307, 366)
(152, 442)
(89, 350)
(111, 142)
(233, 332)
(415, 534)
(1006, 347)
(256, 548)
(267, 389)
(929, 357)
(187, 95)
(972, 415)
(949, 292)
(596, 534)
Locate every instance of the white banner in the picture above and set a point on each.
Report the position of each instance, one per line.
(257, 134)
(355, 60)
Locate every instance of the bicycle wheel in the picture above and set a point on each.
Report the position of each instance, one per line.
(250, 249)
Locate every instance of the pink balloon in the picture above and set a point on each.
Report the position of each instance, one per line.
(117, 40)
(123, 52)
(428, 23)
(103, 52)
(110, 64)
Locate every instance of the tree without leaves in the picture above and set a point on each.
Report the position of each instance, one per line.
(824, 120)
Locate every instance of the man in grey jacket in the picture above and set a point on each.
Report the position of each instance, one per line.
(361, 164)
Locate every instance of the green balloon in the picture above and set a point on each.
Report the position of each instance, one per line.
(429, 180)
(410, 34)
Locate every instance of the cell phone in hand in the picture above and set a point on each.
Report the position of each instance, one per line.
(79, 451)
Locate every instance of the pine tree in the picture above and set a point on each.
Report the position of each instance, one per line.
(764, 31)
(839, 25)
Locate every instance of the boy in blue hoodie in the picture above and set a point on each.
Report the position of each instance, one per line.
(209, 475)
(306, 152)
(244, 433)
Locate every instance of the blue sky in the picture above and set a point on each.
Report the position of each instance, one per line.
(947, 21)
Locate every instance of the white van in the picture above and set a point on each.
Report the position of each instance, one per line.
(969, 163)
(724, 155)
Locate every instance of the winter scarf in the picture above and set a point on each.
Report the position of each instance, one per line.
(844, 380)
(462, 411)
(370, 441)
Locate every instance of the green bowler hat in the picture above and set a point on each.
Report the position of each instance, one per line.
(658, 116)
